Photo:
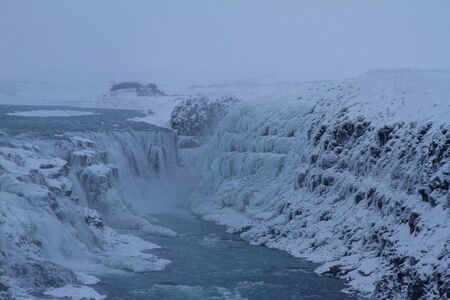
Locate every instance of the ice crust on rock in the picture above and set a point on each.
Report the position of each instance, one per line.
(351, 174)
(195, 118)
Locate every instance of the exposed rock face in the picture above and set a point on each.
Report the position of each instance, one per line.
(198, 116)
(344, 178)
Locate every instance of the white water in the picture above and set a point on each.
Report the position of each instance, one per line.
(53, 212)
(141, 166)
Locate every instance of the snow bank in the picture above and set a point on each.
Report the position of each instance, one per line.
(74, 292)
(52, 113)
(159, 230)
(352, 174)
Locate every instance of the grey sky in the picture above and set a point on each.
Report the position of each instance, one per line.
(204, 40)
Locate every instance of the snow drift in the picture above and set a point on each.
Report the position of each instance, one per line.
(352, 174)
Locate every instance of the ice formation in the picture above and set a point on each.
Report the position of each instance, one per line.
(353, 175)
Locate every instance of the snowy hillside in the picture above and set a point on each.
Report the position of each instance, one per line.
(353, 174)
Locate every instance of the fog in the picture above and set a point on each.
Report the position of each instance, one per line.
(210, 41)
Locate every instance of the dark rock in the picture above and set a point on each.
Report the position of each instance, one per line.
(301, 177)
(46, 166)
(334, 271)
(412, 222)
(328, 180)
(149, 89)
(325, 216)
(423, 193)
(375, 152)
(371, 192)
(198, 116)
(398, 261)
(243, 229)
(94, 220)
(313, 158)
(319, 134)
(417, 290)
(439, 183)
(3, 288)
(426, 198)
(384, 135)
(359, 197)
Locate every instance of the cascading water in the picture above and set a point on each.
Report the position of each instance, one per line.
(61, 196)
(125, 173)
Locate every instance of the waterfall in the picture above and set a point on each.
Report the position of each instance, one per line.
(61, 195)
(125, 174)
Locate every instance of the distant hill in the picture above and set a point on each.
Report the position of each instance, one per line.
(149, 89)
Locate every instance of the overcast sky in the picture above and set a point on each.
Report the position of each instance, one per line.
(204, 40)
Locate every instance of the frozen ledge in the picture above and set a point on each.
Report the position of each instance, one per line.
(74, 292)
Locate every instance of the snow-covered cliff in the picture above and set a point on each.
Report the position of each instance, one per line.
(60, 194)
(353, 174)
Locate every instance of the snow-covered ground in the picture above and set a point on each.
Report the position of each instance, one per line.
(75, 293)
(94, 94)
(352, 174)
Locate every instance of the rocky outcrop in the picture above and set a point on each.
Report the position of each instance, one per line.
(198, 116)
